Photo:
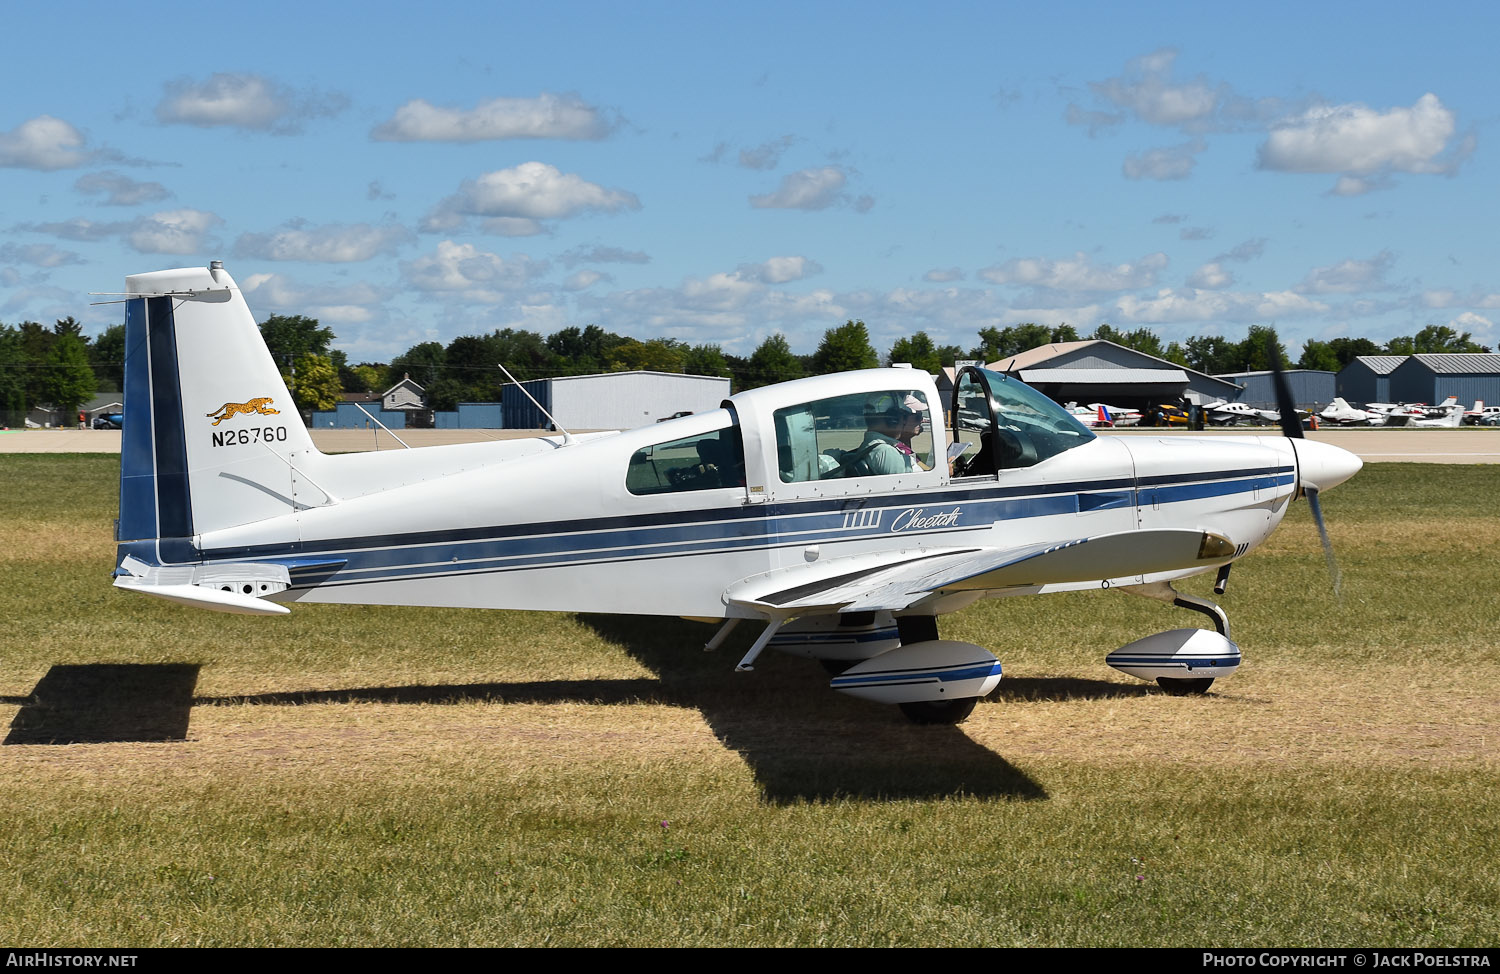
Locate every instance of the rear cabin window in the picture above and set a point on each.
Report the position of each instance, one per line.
(705, 461)
(861, 435)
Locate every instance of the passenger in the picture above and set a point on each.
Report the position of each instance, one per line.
(893, 420)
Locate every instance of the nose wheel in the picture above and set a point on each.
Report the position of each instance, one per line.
(942, 711)
(1179, 687)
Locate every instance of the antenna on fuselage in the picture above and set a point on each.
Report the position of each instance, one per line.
(567, 437)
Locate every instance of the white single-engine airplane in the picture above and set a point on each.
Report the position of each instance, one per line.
(825, 508)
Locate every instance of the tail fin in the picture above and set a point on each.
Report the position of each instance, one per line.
(212, 438)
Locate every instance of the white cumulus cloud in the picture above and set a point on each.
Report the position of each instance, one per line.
(1363, 143)
(1077, 273)
(530, 191)
(806, 189)
(464, 269)
(245, 101)
(1146, 91)
(1211, 277)
(780, 270)
(582, 279)
(547, 116)
(1164, 163)
(43, 142)
(38, 255)
(1348, 276)
(172, 232)
(119, 189)
(1188, 305)
(335, 243)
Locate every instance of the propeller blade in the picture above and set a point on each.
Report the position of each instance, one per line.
(1291, 426)
(1311, 493)
(1291, 423)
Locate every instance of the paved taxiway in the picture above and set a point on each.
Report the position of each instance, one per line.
(1371, 445)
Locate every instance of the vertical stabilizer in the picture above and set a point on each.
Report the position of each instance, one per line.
(212, 438)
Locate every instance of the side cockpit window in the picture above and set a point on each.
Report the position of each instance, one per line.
(705, 461)
(861, 435)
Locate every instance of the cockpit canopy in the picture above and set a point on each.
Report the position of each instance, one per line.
(1005, 423)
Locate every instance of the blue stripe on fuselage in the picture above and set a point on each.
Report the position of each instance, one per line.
(647, 537)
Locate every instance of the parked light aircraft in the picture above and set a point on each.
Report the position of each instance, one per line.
(1416, 413)
(825, 508)
(1227, 413)
(1449, 414)
(1097, 414)
(1339, 411)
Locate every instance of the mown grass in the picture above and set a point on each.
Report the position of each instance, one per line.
(389, 776)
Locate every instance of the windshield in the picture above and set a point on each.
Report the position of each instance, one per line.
(1017, 402)
(1005, 423)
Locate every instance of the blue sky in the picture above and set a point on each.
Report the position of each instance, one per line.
(717, 173)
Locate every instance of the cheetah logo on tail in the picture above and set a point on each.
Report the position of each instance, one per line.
(261, 406)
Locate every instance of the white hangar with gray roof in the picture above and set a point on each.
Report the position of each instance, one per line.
(1098, 370)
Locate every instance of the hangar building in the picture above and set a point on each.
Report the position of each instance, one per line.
(612, 400)
(1431, 378)
(1368, 378)
(1309, 387)
(1097, 370)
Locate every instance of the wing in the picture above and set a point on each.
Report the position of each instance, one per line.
(894, 580)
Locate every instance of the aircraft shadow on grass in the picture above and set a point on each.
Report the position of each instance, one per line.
(99, 703)
(802, 742)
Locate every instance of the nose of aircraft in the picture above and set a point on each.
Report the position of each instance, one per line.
(1322, 465)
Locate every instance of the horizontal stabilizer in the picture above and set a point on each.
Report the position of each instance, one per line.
(200, 597)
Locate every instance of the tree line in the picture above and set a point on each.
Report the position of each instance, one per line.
(63, 367)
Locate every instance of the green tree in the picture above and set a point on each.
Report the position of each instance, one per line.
(12, 377)
(36, 347)
(919, 351)
(424, 363)
(1001, 343)
(845, 349)
(580, 351)
(1348, 349)
(1434, 339)
(1176, 354)
(1318, 355)
(705, 360)
(364, 377)
(316, 383)
(657, 355)
(1252, 354)
(107, 357)
(289, 337)
(1212, 354)
(772, 361)
(68, 381)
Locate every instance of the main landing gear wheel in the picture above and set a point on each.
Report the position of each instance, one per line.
(1179, 687)
(941, 711)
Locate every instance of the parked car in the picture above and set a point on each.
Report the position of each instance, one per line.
(109, 421)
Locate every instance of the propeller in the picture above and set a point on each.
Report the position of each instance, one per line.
(1291, 427)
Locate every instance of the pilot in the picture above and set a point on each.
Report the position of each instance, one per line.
(893, 420)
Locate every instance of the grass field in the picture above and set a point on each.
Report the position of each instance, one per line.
(370, 776)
